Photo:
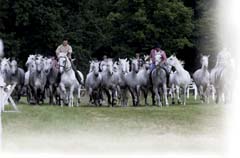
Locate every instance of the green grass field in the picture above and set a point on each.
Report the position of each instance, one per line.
(79, 129)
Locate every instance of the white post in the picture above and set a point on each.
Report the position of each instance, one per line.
(1, 105)
(2, 84)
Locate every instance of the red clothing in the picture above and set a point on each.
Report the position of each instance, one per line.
(153, 53)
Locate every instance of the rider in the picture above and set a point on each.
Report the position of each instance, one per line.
(67, 49)
(139, 59)
(157, 50)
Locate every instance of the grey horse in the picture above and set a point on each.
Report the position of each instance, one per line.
(159, 81)
(143, 81)
(17, 76)
(38, 80)
(51, 69)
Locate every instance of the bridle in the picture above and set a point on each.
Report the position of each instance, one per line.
(65, 65)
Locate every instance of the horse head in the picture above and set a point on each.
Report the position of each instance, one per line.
(146, 65)
(31, 59)
(172, 60)
(14, 67)
(110, 66)
(48, 64)
(39, 64)
(95, 67)
(124, 65)
(204, 61)
(5, 65)
(135, 66)
(64, 62)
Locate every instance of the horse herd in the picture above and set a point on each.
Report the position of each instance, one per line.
(55, 79)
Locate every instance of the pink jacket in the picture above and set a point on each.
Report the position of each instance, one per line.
(152, 56)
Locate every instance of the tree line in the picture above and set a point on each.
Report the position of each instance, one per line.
(117, 28)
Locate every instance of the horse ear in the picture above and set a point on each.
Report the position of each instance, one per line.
(73, 60)
(208, 56)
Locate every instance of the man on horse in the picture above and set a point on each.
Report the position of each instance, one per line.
(158, 51)
(139, 59)
(67, 49)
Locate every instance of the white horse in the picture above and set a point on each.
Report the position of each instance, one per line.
(109, 81)
(180, 78)
(131, 81)
(68, 83)
(31, 68)
(120, 69)
(221, 76)
(202, 79)
(93, 82)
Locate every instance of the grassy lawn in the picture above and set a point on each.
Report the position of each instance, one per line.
(196, 127)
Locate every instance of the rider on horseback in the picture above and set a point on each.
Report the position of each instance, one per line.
(67, 49)
(158, 51)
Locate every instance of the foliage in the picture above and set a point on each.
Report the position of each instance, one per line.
(96, 27)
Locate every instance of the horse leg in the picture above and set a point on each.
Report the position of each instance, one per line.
(50, 94)
(37, 95)
(71, 98)
(79, 95)
(125, 97)
(90, 93)
(63, 93)
(165, 94)
(184, 94)
(173, 94)
(137, 91)
(133, 97)
(42, 94)
(145, 93)
(153, 96)
(112, 97)
(201, 93)
(178, 94)
(195, 92)
(155, 89)
(108, 93)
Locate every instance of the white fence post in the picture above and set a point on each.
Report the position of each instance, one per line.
(1, 105)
